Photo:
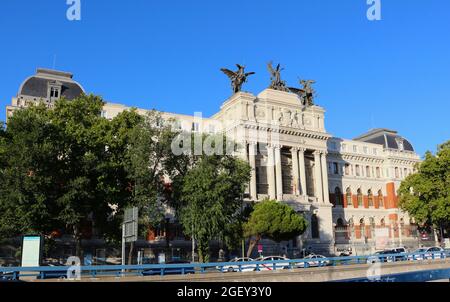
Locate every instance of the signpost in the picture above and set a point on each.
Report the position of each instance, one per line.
(129, 228)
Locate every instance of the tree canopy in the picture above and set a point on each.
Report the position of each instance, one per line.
(64, 168)
(273, 220)
(425, 195)
(212, 197)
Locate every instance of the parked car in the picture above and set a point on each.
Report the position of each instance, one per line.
(401, 249)
(270, 266)
(59, 274)
(314, 261)
(381, 256)
(6, 276)
(239, 266)
(428, 253)
(170, 270)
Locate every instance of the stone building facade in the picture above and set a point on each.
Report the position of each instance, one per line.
(345, 188)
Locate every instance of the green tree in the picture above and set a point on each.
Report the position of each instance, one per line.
(425, 195)
(64, 169)
(212, 198)
(148, 152)
(29, 185)
(274, 220)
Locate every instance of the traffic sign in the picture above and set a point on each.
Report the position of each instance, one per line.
(130, 224)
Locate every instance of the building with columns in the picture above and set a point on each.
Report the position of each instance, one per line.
(345, 188)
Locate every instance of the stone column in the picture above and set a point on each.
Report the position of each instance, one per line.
(326, 192)
(279, 174)
(271, 171)
(252, 159)
(318, 176)
(301, 157)
(295, 171)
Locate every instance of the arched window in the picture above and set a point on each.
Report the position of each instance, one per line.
(383, 222)
(338, 196)
(360, 198)
(380, 199)
(314, 227)
(372, 227)
(362, 227)
(370, 198)
(340, 222)
(349, 197)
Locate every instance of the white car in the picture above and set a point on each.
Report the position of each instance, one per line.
(239, 266)
(428, 254)
(314, 261)
(272, 266)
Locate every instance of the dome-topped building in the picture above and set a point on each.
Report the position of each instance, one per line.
(46, 86)
(388, 138)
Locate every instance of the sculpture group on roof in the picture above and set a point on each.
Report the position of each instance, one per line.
(306, 93)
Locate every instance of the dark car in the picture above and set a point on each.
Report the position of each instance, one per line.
(6, 276)
(171, 270)
(58, 274)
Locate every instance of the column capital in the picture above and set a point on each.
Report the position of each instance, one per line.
(320, 152)
(275, 146)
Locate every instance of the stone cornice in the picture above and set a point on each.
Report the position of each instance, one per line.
(295, 132)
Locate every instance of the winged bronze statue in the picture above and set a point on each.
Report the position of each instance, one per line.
(275, 77)
(309, 92)
(238, 78)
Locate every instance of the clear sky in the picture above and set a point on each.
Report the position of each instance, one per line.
(166, 54)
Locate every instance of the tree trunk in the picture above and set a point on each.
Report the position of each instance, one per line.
(442, 234)
(77, 237)
(130, 254)
(253, 243)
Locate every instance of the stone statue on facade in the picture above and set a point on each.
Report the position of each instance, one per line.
(308, 92)
(275, 78)
(238, 78)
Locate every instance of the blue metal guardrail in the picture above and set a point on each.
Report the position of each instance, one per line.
(46, 272)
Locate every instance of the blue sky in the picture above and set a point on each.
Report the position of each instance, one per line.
(166, 54)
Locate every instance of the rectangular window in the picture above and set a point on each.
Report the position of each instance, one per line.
(378, 172)
(375, 151)
(195, 127)
(365, 150)
(358, 172)
(344, 147)
(347, 169)
(355, 148)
